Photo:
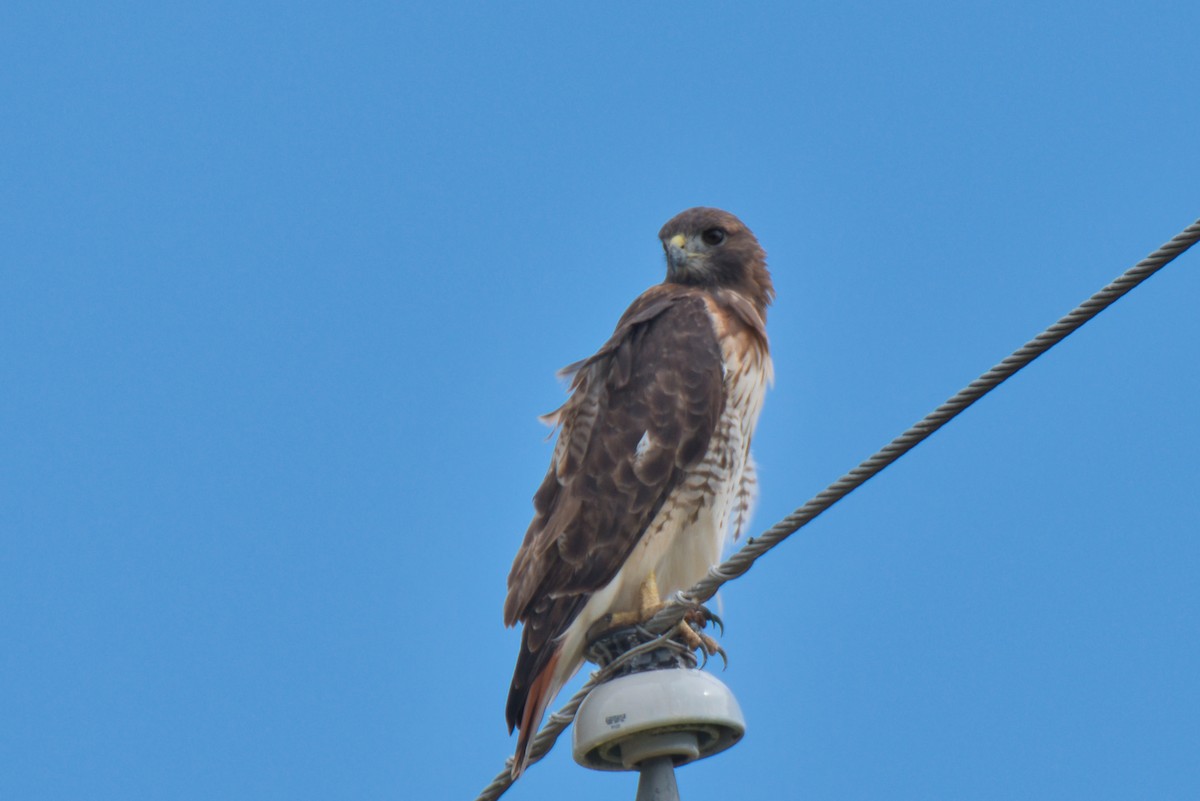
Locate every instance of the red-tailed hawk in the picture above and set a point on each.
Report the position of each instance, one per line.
(652, 467)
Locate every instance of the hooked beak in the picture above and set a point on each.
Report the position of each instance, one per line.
(677, 256)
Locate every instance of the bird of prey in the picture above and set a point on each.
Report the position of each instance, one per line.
(652, 469)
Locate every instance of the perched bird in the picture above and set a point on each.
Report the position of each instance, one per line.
(652, 467)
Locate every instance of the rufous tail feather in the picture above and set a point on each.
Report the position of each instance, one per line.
(541, 692)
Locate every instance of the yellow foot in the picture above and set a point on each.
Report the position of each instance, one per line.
(690, 630)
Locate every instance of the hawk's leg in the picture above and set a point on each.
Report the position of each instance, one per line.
(649, 604)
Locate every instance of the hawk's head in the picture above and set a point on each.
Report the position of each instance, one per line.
(710, 247)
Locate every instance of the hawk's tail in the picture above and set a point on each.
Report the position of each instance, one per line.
(530, 704)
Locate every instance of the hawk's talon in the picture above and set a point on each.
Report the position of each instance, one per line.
(702, 615)
(724, 657)
(691, 631)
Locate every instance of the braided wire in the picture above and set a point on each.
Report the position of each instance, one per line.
(745, 557)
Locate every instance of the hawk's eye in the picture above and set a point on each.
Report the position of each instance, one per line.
(713, 236)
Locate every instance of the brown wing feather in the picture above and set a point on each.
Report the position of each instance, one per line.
(659, 376)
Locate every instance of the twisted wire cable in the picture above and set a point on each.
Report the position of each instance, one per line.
(744, 558)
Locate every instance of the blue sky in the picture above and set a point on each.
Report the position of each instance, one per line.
(283, 288)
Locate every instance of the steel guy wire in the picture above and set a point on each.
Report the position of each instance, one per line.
(744, 558)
